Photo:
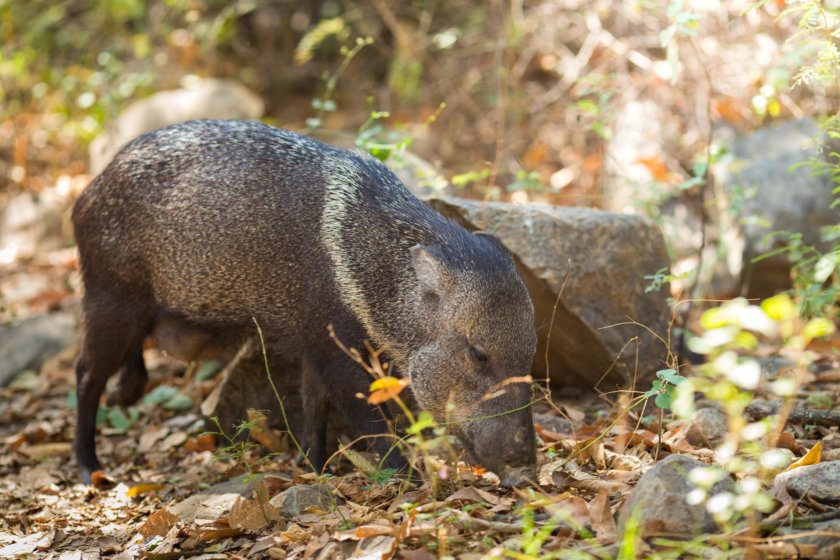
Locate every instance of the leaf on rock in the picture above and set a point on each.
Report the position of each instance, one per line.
(252, 515)
(810, 458)
(158, 524)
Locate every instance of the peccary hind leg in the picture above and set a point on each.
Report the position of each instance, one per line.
(113, 337)
(131, 381)
(313, 438)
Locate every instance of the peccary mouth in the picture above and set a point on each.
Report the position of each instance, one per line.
(509, 476)
(518, 476)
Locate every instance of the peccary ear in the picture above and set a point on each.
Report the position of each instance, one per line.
(429, 267)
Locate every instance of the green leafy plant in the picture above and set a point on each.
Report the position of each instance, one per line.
(664, 387)
(326, 103)
(731, 332)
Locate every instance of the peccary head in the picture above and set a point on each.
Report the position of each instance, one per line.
(478, 323)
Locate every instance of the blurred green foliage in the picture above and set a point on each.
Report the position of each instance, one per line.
(80, 60)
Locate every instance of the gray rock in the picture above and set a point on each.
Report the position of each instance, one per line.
(598, 260)
(297, 499)
(215, 502)
(32, 223)
(759, 175)
(825, 536)
(199, 99)
(28, 344)
(659, 500)
(707, 427)
(756, 190)
(820, 482)
(553, 423)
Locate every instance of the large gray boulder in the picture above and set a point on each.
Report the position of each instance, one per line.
(591, 265)
(762, 174)
(757, 188)
(198, 99)
(29, 343)
(659, 500)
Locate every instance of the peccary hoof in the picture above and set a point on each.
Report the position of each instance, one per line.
(86, 472)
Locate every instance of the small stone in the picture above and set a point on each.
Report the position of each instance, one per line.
(820, 482)
(707, 427)
(659, 500)
(825, 536)
(553, 423)
(297, 499)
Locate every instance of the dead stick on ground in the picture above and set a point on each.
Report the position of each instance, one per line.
(761, 409)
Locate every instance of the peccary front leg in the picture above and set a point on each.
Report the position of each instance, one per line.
(344, 382)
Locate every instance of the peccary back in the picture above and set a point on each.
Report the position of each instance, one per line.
(226, 223)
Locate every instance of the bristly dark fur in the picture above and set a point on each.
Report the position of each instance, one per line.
(227, 222)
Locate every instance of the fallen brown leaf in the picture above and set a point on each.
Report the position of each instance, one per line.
(262, 433)
(150, 436)
(602, 518)
(252, 515)
(204, 442)
(158, 524)
(474, 495)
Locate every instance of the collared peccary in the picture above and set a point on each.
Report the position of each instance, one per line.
(224, 223)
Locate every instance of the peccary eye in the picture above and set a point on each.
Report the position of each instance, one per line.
(478, 354)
